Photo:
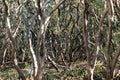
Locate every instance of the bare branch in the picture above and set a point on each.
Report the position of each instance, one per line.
(56, 6)
(33, 57)
(115, 59)
(110, 20)
(14, 46)
(17, 29)
(85, 16)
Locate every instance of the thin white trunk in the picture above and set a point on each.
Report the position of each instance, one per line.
(91, 72)
(8, 23)
(34, 58)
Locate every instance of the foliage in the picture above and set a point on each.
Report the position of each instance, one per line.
(73, 33)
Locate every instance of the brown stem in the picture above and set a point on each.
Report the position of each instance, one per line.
(108, 43)
(85, 23)
(85, 16)
(14, 46)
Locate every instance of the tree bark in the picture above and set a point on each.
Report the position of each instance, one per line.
(40, 47)
(109, 38)
(12, 39)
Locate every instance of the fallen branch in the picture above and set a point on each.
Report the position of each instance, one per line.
(58, 67)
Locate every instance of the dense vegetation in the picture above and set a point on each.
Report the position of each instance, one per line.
(60, 39)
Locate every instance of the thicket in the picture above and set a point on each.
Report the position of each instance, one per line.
(60, 39)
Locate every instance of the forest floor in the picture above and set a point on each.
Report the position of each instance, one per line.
(77, 71)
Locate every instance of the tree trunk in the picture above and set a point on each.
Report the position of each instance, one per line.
(110, 68)
(40, 72)
(40, 47)
(109, 74)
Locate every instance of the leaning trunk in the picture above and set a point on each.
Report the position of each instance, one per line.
(40, 50)
(90, 74)
(110, 69)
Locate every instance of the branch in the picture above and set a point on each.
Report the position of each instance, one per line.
(45, 5)
(96, 17)
(14, 46)
(55, 65)
(116, 58)
(111, 9)
(97, 45)
(35, 67)
(17, 29)
(85, 24)
(39, 7)
(110, 21)
(56, 6)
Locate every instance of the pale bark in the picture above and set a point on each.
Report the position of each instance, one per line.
(13, 43)
(40, 47)
(35, 66)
